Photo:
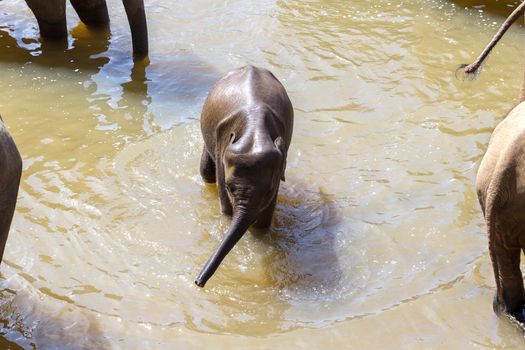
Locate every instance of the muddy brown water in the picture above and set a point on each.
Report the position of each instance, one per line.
(377, 241)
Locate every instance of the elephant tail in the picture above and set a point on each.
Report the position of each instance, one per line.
(471, 71)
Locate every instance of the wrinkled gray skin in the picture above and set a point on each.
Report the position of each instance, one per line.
(500, 185)
(246, 123)
(51, 18)
(10, 172)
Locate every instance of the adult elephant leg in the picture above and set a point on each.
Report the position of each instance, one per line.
(8, 202)
(51, 17)
(139, 29)
(92, 12)
(10, 172)
(510, 277)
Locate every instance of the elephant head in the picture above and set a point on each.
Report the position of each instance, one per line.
(253, 168)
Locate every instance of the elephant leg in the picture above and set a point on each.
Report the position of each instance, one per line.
(226, 205)
(10, 174)
(8, 203)
(508, 260)
(264, 220)
(207, 167)
(92, 12)
(139, 29)
(51, 17)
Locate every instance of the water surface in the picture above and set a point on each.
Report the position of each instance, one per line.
(377, 239)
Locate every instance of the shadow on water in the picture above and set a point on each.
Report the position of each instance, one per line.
(86, 43)
(300, 246)
(304, 265)
(163, 91)
(304, 239)
(6, 344)
(291, 268)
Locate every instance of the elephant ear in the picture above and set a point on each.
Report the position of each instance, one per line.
(281, 147)
(224, 136)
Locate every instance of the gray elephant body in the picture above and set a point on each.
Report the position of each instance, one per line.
(246, 123)
(500, 186)
(10, 173)
(51, 18)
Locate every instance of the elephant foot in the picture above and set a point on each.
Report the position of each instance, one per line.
(519, 315)
(92, 14)
(517, 318)
(53, 31)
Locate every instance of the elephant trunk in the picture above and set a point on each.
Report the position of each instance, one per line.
(139, 29)
(240, 223)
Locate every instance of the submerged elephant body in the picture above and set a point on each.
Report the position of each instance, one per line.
(51, 18)
(246, 123)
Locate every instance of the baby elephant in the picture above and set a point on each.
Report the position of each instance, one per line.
(246, 123)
